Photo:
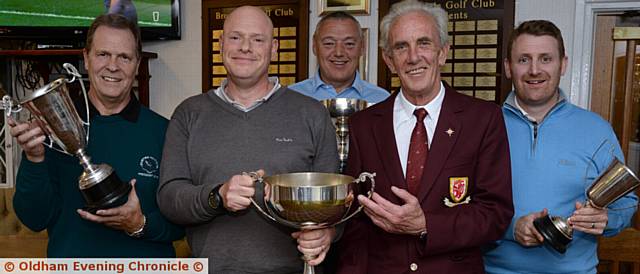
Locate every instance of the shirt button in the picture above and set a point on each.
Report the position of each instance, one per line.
(413, 266)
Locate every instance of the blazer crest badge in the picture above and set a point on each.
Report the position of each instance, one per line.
(458, 190)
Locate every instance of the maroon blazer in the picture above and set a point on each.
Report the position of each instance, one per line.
(474, 158)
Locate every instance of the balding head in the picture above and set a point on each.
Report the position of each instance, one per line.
(246, 15)
(247, 45)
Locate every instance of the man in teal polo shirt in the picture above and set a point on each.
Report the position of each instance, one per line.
(124, 134)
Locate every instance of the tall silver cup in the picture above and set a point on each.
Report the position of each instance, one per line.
(340, 109)
(312, 200)
(616, 181)
(56, 115)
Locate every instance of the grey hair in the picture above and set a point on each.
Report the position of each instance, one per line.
(338, 15)
(407, 6)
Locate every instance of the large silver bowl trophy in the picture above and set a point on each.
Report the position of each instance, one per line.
(340, 109)
(54, 112)
(311, 200)
(616, 181)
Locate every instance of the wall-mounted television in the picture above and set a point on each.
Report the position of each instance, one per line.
(68, 21)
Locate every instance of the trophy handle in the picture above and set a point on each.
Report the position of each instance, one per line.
(258, 179)
(50, 145)
(9, 107)
(361, 179)
(76, 75)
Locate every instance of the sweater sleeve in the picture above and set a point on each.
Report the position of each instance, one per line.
(179, 199)
(37, 200)
(326, 159)
(159, 229)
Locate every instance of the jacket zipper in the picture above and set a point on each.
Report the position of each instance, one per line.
(535, 137)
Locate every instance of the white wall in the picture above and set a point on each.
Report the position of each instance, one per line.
(176, 74)
(562, 14)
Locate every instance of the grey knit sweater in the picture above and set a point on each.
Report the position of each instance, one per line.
(208, 141)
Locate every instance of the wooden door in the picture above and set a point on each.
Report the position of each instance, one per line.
(616, 97)
(616, 85)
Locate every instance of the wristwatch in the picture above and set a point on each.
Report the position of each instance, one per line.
(138, 233)
(215, 200)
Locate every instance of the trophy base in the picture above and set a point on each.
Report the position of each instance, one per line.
(108, 193)
(551, 234)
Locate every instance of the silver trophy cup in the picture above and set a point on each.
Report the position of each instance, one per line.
(55, 114)
(312, 200)
(340, 109)
(616, 181)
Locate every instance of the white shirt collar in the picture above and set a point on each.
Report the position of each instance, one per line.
(404, 108)
(221, 92)
(404, 121)
(524, 112)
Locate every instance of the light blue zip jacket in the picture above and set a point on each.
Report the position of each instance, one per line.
(553, 163)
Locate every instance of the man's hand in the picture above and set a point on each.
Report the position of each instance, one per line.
(127, 217)
(315, 243)
(589, 219)
(30, 137)
(400, 219)
(237, 191)
(524, 231)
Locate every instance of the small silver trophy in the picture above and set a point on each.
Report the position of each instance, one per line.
(340, 109)
(616, 181)
(56, 115)
(311, 200)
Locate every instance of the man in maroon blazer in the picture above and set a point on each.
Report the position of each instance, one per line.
(455, 199)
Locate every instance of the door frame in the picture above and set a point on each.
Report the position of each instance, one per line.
(582, 50)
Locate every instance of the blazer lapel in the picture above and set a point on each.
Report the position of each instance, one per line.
(385, 140)
(444, 139)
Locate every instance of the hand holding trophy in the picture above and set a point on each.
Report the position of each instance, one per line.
(55, 114)
(311, 200)
(616, 181)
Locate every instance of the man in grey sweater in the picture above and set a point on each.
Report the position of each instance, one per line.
(250, 123)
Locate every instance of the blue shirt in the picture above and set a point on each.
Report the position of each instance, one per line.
(315, 88)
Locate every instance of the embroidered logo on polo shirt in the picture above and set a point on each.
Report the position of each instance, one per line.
(566, 162)
(149, 166)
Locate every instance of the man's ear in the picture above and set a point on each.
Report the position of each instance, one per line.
(85, 55)
(138, 63)
(564, 63)
(388, 61)
(221, 41)
(442, 59)
(314, 46)
(507, 68)
(274, 48)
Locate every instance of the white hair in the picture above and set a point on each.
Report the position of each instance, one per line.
(408, 6)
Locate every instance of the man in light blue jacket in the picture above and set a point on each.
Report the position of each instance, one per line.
(557, 150)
